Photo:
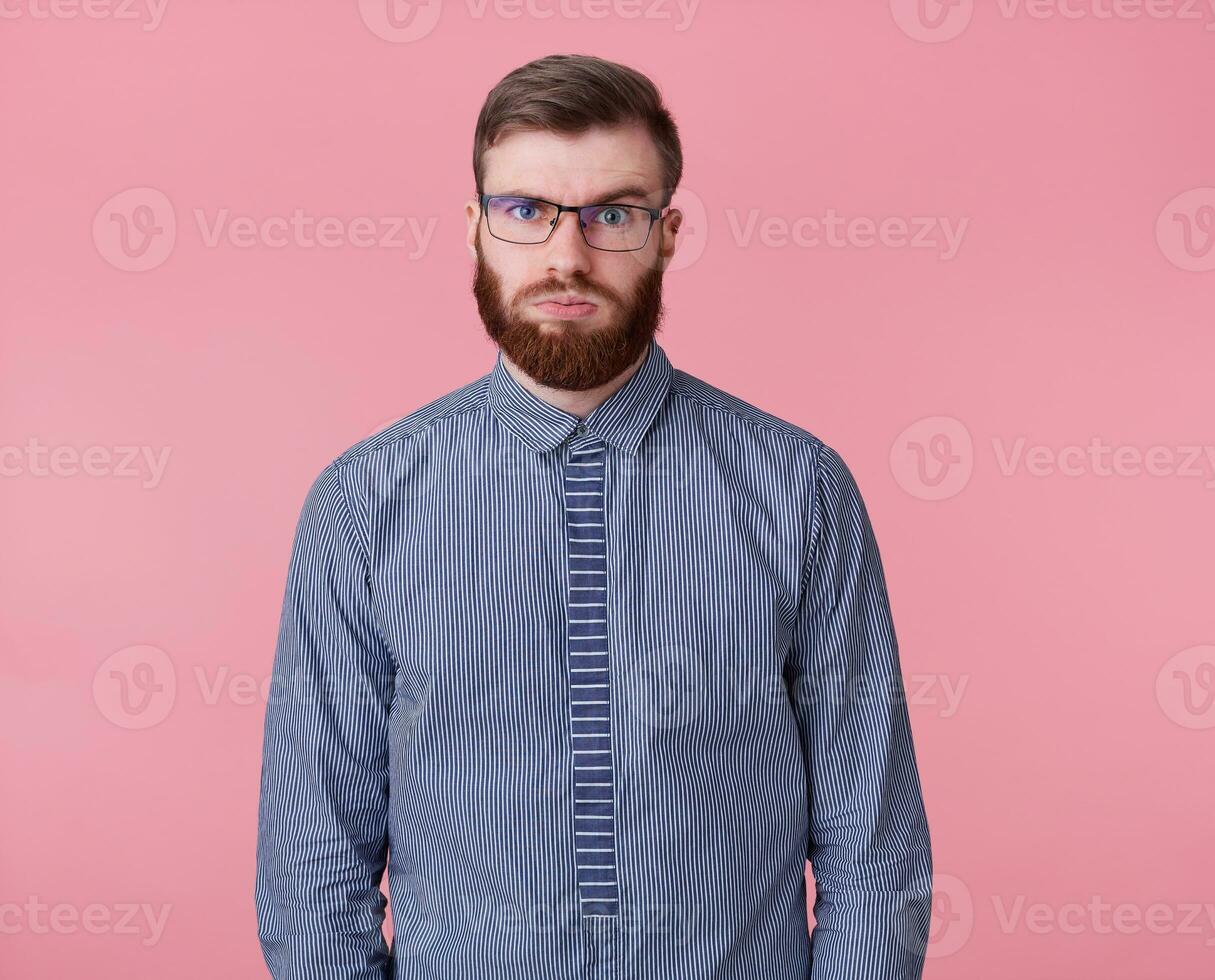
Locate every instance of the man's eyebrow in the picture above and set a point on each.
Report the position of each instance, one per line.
(616, 194)
(622, 192)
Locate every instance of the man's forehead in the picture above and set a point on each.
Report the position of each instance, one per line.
(562, 167)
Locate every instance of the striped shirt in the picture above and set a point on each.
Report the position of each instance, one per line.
(591, 691)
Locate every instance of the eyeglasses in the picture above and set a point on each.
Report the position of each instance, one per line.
(530, 221)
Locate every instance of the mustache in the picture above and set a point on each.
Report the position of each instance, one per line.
(581, 287)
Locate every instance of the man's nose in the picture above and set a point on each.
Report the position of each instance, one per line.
(568, 251)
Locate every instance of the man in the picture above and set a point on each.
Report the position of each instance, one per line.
(589, 654)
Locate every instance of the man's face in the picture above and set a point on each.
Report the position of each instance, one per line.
(593, 342)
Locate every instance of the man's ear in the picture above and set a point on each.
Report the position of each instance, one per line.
(670, 231)
(472, 216)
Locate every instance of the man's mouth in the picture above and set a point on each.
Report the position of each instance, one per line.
(567, 306)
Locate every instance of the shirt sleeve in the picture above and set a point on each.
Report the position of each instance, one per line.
(868, 845)
(322, 814)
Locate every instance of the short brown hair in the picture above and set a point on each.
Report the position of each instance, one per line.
(570, 93)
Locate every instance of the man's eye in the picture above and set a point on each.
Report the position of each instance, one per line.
(613, 216)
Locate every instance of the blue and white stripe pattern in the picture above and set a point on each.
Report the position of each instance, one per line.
(590, 679)
(591, 692)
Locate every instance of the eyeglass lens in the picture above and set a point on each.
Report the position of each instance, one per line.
(524, 221)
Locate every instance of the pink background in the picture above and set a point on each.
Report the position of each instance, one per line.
(1053, 604)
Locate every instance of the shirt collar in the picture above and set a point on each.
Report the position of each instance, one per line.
(622, 421)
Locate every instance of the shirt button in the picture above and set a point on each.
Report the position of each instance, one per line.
(581, 430)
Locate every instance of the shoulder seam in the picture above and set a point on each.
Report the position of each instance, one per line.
(812, 542)
(350, 455)
(364, 546)
(809, 437)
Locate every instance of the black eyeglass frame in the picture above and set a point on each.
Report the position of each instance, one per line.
(656, 214)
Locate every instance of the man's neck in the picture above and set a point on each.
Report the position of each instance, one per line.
(577, 403)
